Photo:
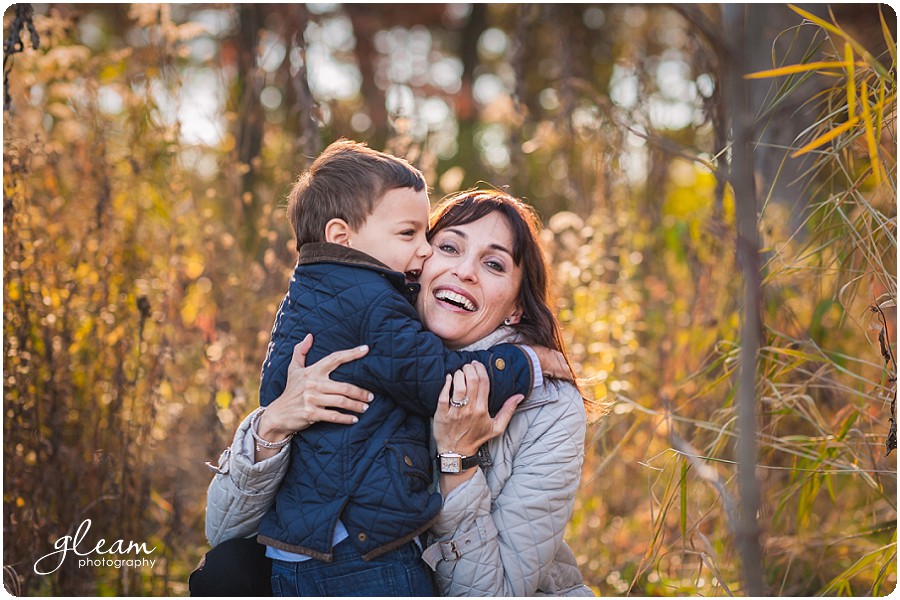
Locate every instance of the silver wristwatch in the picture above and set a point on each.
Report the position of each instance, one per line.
(454, 462)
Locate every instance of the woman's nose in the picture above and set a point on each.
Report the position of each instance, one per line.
(465, 270)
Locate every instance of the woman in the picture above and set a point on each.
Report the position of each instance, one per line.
(501, 526)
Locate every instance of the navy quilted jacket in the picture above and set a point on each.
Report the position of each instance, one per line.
(373, 475)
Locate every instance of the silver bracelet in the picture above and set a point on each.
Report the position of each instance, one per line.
(261, 443)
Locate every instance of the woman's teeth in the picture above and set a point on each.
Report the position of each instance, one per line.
(456, 299)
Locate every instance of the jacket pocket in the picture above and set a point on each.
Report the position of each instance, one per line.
(409, 465)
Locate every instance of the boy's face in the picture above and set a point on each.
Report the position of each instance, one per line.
(395, 231)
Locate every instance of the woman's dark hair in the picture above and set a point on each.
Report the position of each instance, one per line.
(538, 324)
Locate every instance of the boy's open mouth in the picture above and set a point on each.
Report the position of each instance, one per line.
(455, 299)
(413, 276)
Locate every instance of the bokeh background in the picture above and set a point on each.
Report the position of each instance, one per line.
(147, 153)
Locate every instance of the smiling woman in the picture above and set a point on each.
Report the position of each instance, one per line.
(471, 281)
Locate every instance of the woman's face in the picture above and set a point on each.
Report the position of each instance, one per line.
(470, 285)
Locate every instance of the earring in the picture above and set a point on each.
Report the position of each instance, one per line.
(506, 322)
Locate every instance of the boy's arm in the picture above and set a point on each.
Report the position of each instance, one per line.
(409, 364)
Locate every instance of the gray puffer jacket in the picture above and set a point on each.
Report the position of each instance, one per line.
(499, 534)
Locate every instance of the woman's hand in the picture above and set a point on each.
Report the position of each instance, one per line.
(553, 363)
(462, 423)
(310, 396)
(465, 428)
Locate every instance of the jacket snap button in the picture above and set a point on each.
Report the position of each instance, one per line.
(500, 364)
(408, 461)
(361, 536)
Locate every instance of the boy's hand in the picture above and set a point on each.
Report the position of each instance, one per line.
(553, 363)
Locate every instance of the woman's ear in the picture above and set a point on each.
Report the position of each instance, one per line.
(337, 231)
(515, 317)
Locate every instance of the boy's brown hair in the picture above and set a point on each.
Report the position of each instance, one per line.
(345, 182)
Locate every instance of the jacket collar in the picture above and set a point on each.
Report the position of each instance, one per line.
(319, 252)
(326, 252)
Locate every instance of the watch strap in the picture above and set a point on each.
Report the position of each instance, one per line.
(469, 461)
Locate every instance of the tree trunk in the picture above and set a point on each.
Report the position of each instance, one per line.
(249, 125)
(740, 42)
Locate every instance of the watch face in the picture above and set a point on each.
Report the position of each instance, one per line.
(451, 464)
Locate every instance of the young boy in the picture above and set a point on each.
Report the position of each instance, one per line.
(354, 493)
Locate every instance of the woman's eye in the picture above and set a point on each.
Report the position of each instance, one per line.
(446, 248)
(496, 266)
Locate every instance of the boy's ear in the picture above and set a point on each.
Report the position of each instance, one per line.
(337, 231)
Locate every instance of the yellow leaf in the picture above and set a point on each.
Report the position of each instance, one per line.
(791, 69)
(194, 265)
(223, 399)
(600, 391)
(161, 502)
(193, 303)
(851, 81)
(111, 72)
(818, 21)
(870, 132)
(87, 326)
(115, 335)
(228, 142)
(827, 137)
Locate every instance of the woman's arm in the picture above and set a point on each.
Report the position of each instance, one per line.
(502, 547)
(242, 490)
(248, 475)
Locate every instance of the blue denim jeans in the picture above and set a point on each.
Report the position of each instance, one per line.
(400, 572)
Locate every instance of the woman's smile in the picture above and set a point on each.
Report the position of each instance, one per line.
(455, 299)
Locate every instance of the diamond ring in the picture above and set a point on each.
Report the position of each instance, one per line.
(461, 402)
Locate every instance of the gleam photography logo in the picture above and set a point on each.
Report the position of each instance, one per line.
(100, 555)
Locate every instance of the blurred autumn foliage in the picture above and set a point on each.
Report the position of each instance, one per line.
(147, 152)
